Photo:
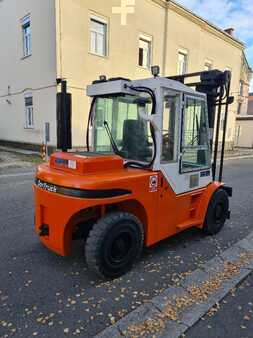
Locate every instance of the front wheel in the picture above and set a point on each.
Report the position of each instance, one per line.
(114, 243)
(217, 212)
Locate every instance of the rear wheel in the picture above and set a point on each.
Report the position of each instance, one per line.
(217, 213)
(114, 243)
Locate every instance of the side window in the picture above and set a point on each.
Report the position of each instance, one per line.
(27, 37)
(103, 113)
(195, 147)
(145, 49)
(98, 36)
(182, 63)
(170, 128)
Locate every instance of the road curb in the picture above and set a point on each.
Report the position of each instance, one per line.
(167, 316)
(29, 173)
(19, 151)
(242, 157)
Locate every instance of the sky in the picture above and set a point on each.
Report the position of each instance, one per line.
(225, 14)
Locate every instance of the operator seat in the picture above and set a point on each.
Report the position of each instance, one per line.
(135, 140)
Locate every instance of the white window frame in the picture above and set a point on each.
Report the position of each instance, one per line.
(166, 92)
(241, 89)
(239, 108)
(104, 22)
(26, 38)
(185, 53)
(149, 41)
(29, 109)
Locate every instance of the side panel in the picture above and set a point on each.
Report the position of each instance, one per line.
(162, 212)
(57, 211)
(183, 183)
(179, 212)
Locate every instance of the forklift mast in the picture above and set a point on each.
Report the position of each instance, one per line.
(216, 85)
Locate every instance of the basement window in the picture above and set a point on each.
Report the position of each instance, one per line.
(27, 37)
(29, 119)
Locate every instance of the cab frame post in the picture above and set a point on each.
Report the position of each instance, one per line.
(224, 134)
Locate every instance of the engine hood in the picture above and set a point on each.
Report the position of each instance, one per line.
(85, 163)
(89, 173)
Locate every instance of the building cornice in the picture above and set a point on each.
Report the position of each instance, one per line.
(204, 24)
(245, 60)
(162, 3)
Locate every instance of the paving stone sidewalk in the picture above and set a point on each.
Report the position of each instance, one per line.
(178, 308)
(239, 152)
(10, 159)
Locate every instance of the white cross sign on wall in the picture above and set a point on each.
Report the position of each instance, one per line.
(127, 7)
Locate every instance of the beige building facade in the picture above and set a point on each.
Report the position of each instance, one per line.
(79, 40)
(244, 120)
(244, 131)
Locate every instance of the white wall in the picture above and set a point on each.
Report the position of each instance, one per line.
(35, 74)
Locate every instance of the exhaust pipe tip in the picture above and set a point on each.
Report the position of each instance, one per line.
(44, 230)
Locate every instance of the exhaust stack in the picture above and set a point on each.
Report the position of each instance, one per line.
(64, 117)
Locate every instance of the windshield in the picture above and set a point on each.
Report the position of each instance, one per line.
(118, 128)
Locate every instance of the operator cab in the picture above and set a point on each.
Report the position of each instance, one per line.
(154, 123)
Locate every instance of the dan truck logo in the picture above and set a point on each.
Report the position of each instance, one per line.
(153, 183)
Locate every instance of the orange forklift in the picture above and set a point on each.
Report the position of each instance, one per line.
(149, 172)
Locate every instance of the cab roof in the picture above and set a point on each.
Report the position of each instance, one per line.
(120, 85)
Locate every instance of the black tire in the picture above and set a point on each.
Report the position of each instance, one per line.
(217, 213)
(114, 244)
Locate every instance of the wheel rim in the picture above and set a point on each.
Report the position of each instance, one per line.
(120, 248)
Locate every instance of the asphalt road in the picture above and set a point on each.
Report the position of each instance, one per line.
(44, 295)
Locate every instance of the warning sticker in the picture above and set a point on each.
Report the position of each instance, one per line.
(153, 183)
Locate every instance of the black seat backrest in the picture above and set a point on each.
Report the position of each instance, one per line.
(134, 138)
